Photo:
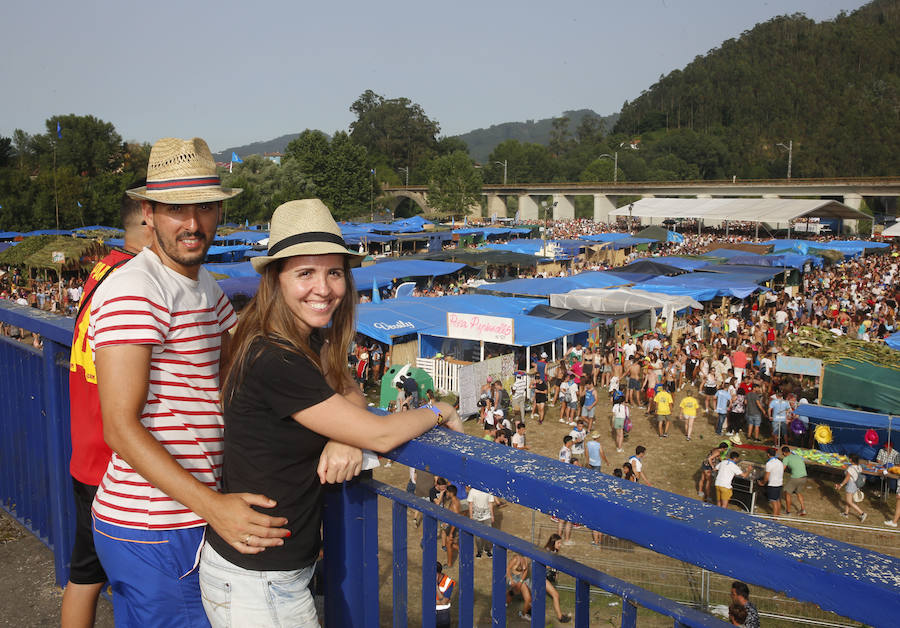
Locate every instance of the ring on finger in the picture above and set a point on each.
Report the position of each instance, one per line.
(246, 539)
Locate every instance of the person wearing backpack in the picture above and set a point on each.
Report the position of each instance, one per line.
(853, 481)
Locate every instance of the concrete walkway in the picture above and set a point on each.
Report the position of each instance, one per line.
(29, 596)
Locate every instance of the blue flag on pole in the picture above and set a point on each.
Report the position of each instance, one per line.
(58, 130)
(235, 158)
(376, 295)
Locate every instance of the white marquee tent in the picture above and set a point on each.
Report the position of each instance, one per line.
(770, 210)
(893, 231)
(624, 300)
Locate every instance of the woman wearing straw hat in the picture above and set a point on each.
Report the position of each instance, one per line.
(287, 391)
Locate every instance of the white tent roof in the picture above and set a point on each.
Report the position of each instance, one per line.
(893, 231)
(620, 300)
(771, 210)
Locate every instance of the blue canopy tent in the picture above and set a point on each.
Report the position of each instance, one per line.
(755, 274)
(604, 237)
(684, 263)
(702, 286)
(415, 221)
(40, 232)
(849, 426)
(226, 254)
(6, 245)
(893, 341)
(529, 331)
(383, 274)
(531, 246)
(235, 269)
(752, 259)
(244, 237)
(117, 242)
(10, 235)
(234, 286)
(544, 287)
(794, 260)
(394, 318)
(354, 238)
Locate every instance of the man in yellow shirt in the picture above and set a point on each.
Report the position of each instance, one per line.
(664, 402)
(689, 406)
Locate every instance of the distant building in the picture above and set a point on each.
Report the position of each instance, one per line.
(275, 157)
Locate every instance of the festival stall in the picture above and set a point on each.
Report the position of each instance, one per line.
(627, 300)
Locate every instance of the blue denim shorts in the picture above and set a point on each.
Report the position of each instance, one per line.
(235, 597)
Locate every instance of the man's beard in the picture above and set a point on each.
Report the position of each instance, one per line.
(192, 259)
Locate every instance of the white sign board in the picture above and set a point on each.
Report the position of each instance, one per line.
(480, 327)
(58, 257)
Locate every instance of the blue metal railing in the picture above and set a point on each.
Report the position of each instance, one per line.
(35, 488)
(853, 582)
(35, 447)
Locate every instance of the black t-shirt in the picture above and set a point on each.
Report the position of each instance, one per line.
(269, 453)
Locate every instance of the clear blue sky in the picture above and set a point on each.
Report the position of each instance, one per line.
(235, 72)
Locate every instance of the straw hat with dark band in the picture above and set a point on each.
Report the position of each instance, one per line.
(182, 172)
(304, 228)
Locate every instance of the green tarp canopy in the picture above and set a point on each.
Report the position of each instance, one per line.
(853, 384)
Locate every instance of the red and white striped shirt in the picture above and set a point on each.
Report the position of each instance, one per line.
(147, 303)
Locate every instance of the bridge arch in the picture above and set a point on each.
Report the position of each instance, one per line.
(392, 198)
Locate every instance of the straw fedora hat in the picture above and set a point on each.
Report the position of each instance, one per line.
(304, 228)
(181, 172)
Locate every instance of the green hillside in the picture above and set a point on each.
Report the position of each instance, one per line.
(833, 88)
(482, 141)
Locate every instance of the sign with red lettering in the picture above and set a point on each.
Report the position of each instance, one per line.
(480, 327)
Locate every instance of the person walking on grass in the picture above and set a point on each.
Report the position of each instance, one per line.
(620, 414)
(794, 485)
(689, 407)
(852, 482)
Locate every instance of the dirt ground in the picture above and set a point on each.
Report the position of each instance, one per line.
(29, 597)
(672, 464)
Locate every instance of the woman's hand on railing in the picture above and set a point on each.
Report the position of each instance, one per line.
(339, 463)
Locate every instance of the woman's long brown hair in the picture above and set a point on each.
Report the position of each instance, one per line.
(268, 316)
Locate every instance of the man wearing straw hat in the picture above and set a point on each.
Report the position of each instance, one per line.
(157, 328)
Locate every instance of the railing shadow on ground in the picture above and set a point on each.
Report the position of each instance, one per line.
(857, 583)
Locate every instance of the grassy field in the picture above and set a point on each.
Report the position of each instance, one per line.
(672, 464)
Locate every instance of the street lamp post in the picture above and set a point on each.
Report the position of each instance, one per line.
(372, 195)
(503, 163)
(615, 158)
(789, 147)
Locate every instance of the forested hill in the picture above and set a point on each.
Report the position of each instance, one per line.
(482, 141)
(833, 88)
(258, 148)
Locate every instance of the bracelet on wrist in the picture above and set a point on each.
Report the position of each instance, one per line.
(440, 417)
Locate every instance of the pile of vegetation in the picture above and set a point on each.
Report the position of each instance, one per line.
(814, 342)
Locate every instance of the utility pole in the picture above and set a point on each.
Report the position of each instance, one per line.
(789, 147)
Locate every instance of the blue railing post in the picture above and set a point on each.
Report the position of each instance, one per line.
(58, 477)
(350, 567)
(400, 565)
